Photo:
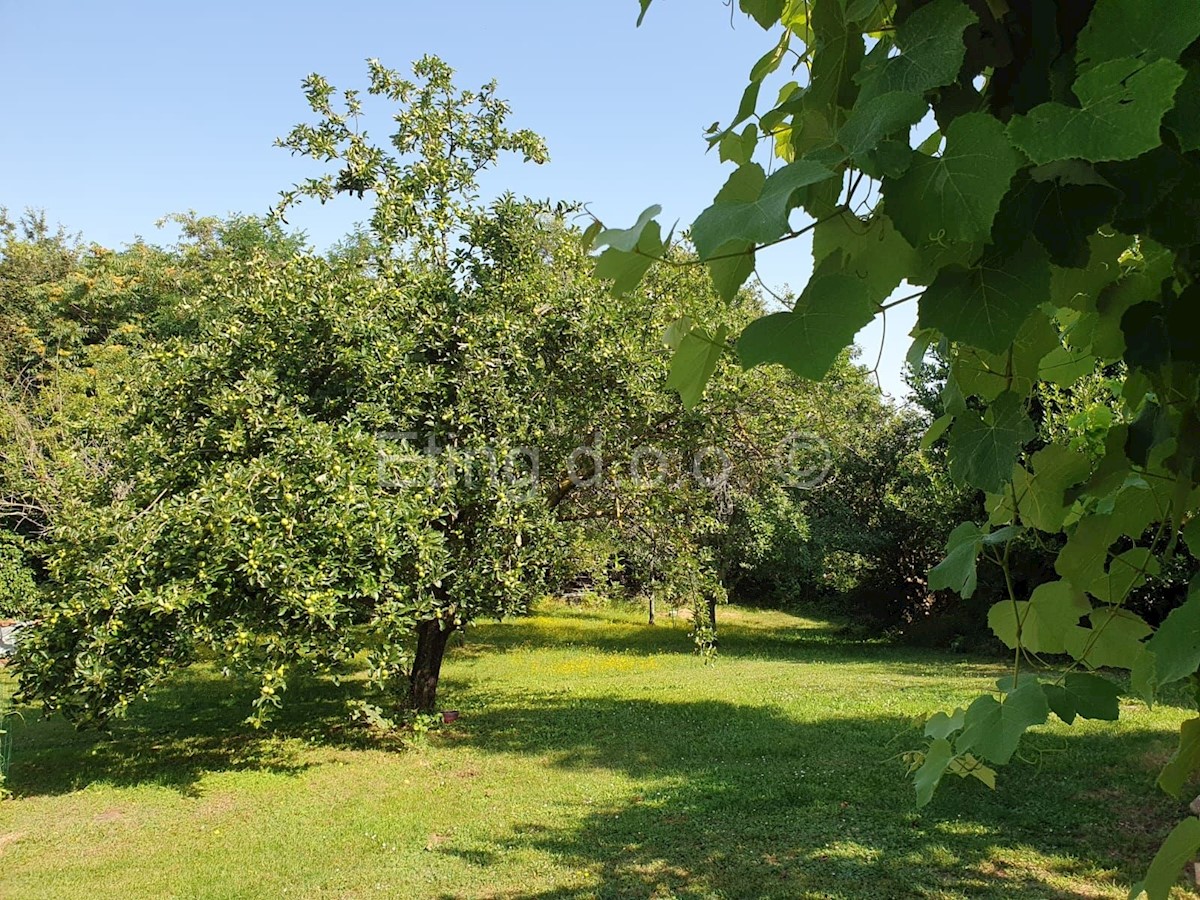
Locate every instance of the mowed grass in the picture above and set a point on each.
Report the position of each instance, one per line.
(595, 757)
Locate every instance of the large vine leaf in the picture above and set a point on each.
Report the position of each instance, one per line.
(737, 216)
(1184, 762)
(871, 121)
(983, 448)
(993, 729)
(986, 305)
(1040, 624)
(955, 196)
(957, 572)
(1122, 104)
(694, 362)
(1176, 851)
(926, 778)
(931, 51)
(1086, 696)
(871, 249)
(1173, 652)
(1113, 640)
(831, 310)
(1041, 495)
(1118, 28)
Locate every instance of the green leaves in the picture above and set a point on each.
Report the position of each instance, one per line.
(807, 340)
(1121, 28)
(983, 448)
(1184, 762)
(871, 250)
(1040, 623)
(1086, 696)
(881, 116)
(694, 362)
(1173, 653)
(631, 251)
(627, 239)
(1113, 640)
(742, 214)
(1040, 496)
(930, 41)
(955, 196)
(1176, 851)
(765, 12)
(985, 305)
(1122, 104)
(926, 778)
(957, 571)
(993, 729)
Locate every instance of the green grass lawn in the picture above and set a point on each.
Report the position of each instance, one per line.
(595, 756)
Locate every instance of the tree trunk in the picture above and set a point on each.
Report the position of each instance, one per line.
(427, 664)
(712, 618)
(651, 599)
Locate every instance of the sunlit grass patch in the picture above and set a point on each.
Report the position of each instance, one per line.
(596, 756)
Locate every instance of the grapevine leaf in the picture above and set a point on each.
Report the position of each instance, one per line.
(1184, 762)
(1060, 212)
(587, 240)
(983, 448)
(1118, 28)
(1079, 287)
(941, 725)
(831, 75)
(993, 729)
(1176, 852)
(626, 239)
(1086, 696)
(771, 59)
(1127, 571)
(1040, 496)
(1084, 555)
(760, 220)
(1064, 367)
(936, 430)
(930, 41)
(738, 148)
(937, 759)
(1113, 640)
(957, 571)
(986, 375)
(1122, 104)
(968, 765)
(748, 104)
(872, 250)
(765, 12)
(1184, 119)
(694, 362)
(870, 122)
(807, 340)
(955, 196)
(1174, 650)
(732, 264)
(1043, 620)
(986, 305)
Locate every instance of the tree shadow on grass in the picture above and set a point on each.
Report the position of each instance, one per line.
(749, 803)
(784, 637)
(191, 725)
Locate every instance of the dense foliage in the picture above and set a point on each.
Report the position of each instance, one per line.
(240, 449)
(1048, 215)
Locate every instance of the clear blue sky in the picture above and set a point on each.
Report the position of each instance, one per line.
(117, 112)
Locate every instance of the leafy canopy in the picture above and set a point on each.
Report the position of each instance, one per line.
(1047, 211)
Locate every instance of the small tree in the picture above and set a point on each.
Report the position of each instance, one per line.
(364, 452)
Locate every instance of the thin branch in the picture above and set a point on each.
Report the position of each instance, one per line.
(884, 307)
